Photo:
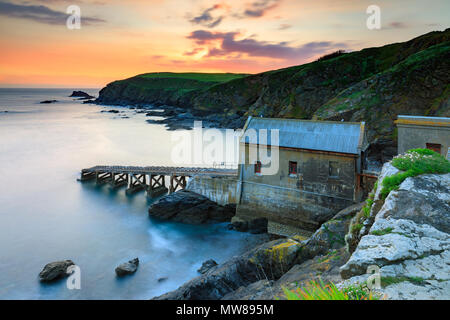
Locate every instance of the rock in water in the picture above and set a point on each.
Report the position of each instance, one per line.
(207, 265)
(81, 94)
(49, 101)
(55, 270)
(129, 267)
(189, 207)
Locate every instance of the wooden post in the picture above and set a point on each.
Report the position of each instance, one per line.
(177, 181)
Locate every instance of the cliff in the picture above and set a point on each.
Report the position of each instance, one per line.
(372, 85)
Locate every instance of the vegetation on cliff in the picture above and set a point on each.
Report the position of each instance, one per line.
(372, 85)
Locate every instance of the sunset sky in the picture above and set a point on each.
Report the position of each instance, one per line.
(119, 39)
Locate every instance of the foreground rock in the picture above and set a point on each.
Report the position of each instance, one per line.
(81, 94)
(55, 270)
(253, 274)
(49, 101)
(207, 265)
(409, 241)
(126, 268)
(191, 208)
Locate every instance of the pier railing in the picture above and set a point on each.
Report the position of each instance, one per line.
(151, 178)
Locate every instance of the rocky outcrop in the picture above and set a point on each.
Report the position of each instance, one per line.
(206, 266)
(126, 268)
(409, 241)
(253, 274)
(189, 207)
(82, 95)
(55, 270)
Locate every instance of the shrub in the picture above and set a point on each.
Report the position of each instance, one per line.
(318, 290)
(413, 163)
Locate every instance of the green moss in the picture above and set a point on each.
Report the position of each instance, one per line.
(413, 163)
(386, 281)
(381, 232)
(356, 227)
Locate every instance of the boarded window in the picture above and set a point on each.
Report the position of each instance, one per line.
(333, 169)
(435, 147)
(292, 167)
(258, 167)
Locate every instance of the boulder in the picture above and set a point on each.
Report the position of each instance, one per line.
(239, 224)
(129, 267)
(207, 265)
(55, 270)
(191, 208)
(258, 225)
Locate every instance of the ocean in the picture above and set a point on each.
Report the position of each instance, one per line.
(46, 215)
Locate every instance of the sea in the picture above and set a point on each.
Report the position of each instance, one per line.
(47, 215)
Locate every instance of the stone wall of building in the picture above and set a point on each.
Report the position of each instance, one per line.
(304, 200)
(218, 189)
(417, 136)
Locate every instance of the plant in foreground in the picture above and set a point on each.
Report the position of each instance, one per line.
(318, 290)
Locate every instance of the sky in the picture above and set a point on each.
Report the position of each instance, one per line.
(118, 39)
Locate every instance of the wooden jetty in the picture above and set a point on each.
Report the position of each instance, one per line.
(151, 179)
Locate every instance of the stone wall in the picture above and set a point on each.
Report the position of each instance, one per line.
(216, 188)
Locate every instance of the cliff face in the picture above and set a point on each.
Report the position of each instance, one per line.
(372, 85)
(409, 240)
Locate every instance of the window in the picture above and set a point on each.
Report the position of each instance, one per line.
(435, 147)
(258, 167)
(333, 169)
(292, 167)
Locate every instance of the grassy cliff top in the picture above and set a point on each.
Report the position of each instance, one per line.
(204, 77)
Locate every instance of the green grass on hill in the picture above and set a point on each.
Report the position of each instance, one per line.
(205, 77)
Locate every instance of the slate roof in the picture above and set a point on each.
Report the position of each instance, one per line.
(333, 136)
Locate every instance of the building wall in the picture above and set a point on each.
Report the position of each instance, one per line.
(416, 136)
(305, 200)
(219, 189)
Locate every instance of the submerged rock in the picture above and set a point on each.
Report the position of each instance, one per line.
(191, 208)
(129, 267)
(55, 270)
(207, 265)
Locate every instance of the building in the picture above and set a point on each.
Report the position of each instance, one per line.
(423, 132)
(320, 168)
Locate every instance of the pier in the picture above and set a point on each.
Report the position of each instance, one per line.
(151, 179)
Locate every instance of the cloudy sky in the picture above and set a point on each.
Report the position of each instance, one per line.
(119, 39)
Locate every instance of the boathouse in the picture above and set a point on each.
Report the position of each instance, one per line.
(319, 172)
(423, 132)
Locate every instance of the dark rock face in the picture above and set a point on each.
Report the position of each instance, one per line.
(129, 267)
(55, 270)
(189, 207)
(81, 94)
(258, 225)
(207, 265)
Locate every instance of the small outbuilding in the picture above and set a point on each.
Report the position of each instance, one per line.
(319, 172)
(423, 132)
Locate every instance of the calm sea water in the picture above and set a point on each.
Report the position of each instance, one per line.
(46, 215)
